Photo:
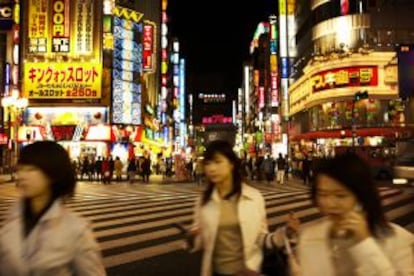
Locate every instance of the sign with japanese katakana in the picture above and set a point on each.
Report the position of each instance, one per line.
(54, 80)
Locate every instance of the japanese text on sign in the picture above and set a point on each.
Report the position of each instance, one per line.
(342, 77)
(62, 80)
(148, 48)
(83, 35)
(60, 26)
(38, 26)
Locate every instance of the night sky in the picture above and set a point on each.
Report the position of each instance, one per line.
(215, 39)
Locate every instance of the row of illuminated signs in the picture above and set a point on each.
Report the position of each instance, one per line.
(60, 26)
(345, 77)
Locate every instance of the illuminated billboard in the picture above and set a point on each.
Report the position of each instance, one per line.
(345, 77)
(38, 26)
(82, 38)
(127, 66)
(148, 43)
(73, 80)
(60, 27)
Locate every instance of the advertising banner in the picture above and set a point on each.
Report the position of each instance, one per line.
(148, 38)
(54, 80)
(38, 26)
(127, 66)
(345, 77)
(60, 26)
(82, 35)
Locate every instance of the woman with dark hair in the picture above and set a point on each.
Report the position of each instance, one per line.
(354, 238)
(41, 236)
(230, 217)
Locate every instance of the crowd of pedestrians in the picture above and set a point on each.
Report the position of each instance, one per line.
(106, 169)
(267, 168)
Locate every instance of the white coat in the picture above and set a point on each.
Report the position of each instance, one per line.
(390, 256)
(61, 244)
(252, 219)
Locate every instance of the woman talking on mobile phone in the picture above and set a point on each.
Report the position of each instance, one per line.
(354, 238)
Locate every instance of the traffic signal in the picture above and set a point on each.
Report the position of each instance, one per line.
(360, 95)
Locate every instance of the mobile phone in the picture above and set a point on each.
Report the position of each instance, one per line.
(180, 227)
(343, 233)
(188, 237)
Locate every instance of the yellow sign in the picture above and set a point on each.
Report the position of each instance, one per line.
(54, 80)
(127, 14)
(282, 7)
(83, 27)
(38, 26)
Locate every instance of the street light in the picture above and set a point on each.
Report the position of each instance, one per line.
(13, 106)
(360, 95)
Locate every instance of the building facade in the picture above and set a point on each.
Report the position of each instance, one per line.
(90, 75)
(346, 49)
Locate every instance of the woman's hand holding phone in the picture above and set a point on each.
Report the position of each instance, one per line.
(189, 234)
(355, 222)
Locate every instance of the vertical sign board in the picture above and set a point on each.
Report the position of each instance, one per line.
(148, 46)
(38, 26)
(127, 66)
(83, 27)
(60, 26)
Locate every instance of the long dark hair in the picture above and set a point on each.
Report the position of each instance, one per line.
(224, 148)
(355, 174)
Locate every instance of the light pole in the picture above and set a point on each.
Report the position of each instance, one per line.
(360, 95)
(13, 106)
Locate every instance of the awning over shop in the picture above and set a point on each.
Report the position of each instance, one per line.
(391, 132)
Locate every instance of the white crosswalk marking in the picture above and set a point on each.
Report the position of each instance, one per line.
(133, 222)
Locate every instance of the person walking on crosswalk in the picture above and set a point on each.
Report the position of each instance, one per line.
(41, 236)
(230, 217)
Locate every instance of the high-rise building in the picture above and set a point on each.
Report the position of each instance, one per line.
(345, 94)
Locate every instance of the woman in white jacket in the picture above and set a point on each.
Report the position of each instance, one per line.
(354, 238)
(229, 218)
(41, 236)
